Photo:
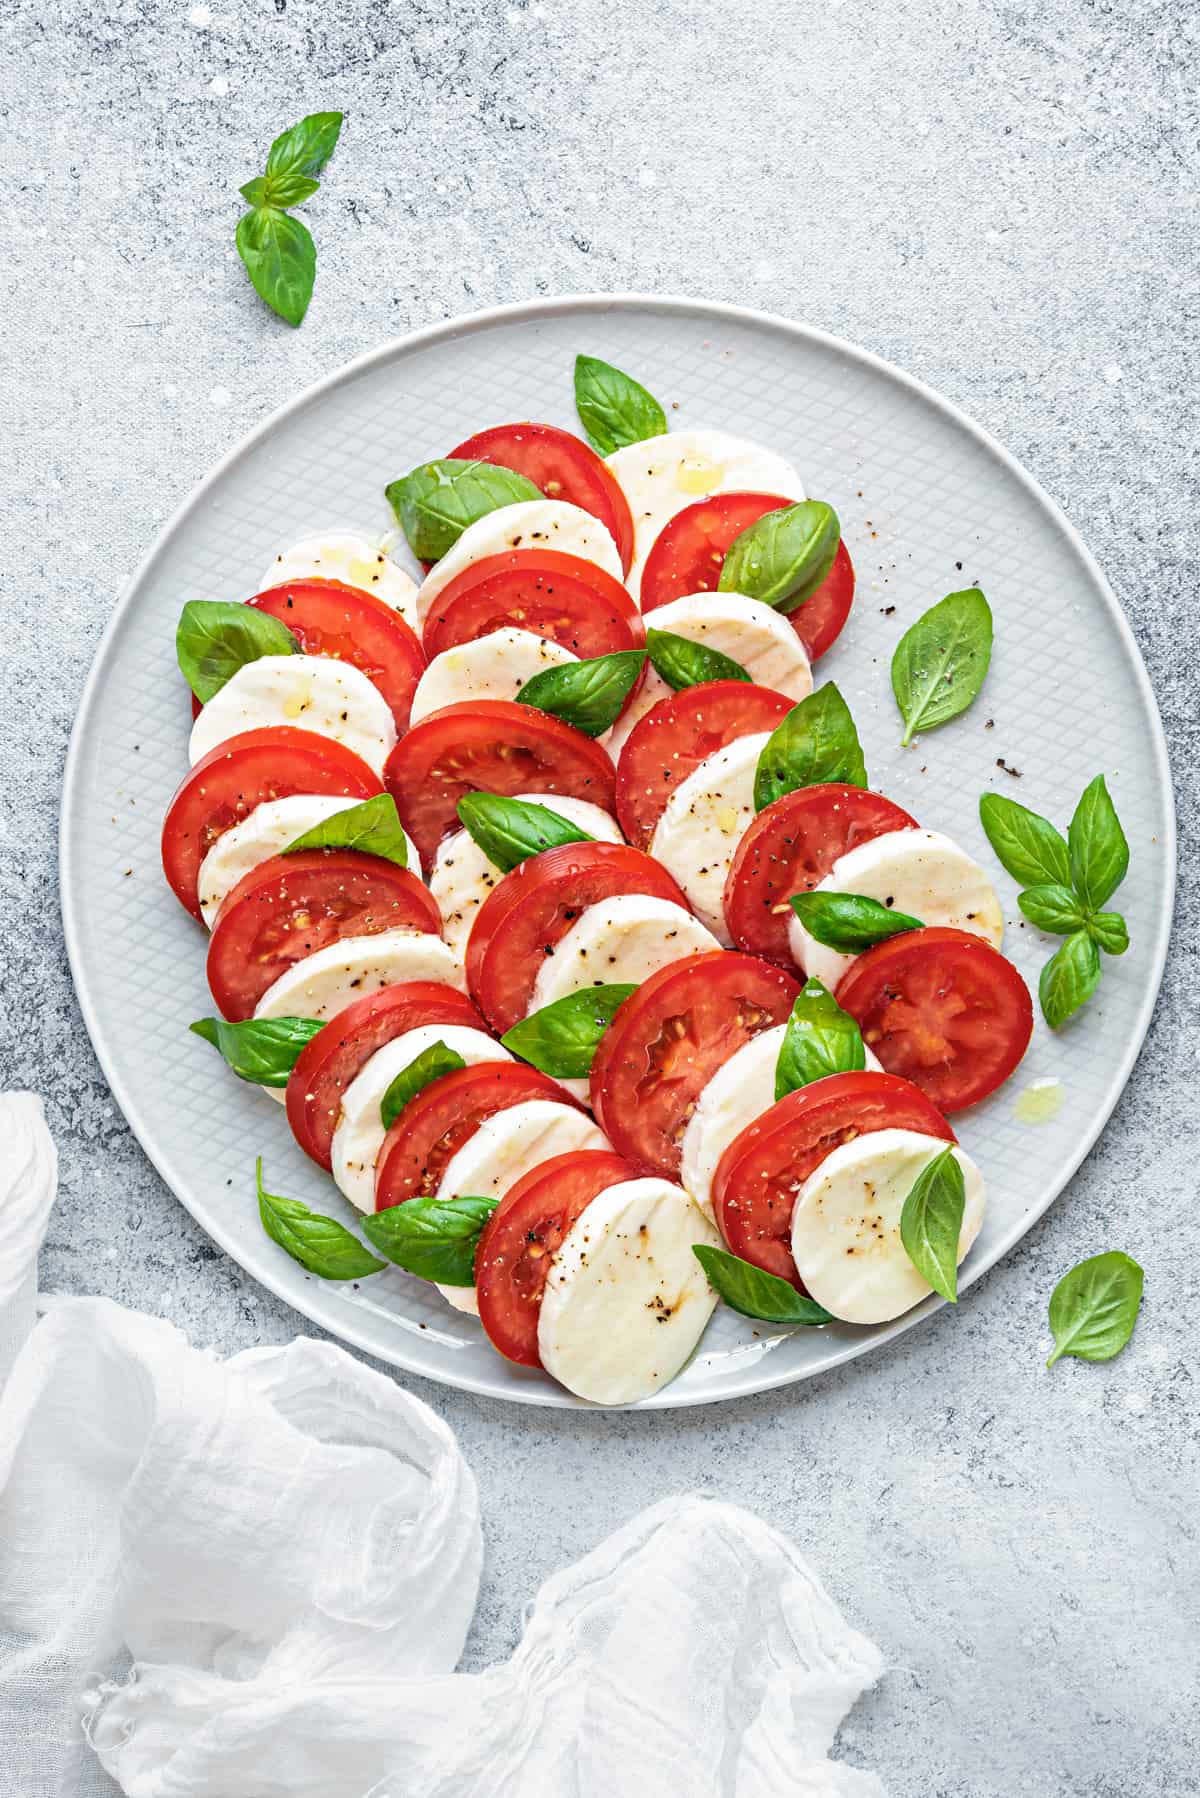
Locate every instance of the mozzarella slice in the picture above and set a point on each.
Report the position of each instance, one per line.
(359, 1132)
(846, 1224)
(492, 667)
(353, 559)
(702, 824)
(916, 871)
(626, 1301)
(315, 693)
(324, 983)
(530, 524)
(623, 940)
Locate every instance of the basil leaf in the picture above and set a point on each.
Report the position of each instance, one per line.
(1093, 1308)
(421, 1072)
(256, 191)
(820, 1039)
(320, 1244)
(748, 1289)
(280, 258)
(261, 1050)
(1053, 908)
(562, 1038)
(509, 831)
(815, 743)
(435, 1239)
(216, 637)
(783, 557)
(849, 922)
(1028, 846)
(588, 694)
(615, 409)
(931, 1223)
(437, 501)
(1109, 931)
(1069, 979)
(682, 663)
(279, 190)
(304, 149)
(941, 660)
(371, 828)
(1099, 852)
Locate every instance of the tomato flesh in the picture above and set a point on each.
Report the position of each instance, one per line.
(820, 620)
(562, 466)
(329, 619)
(573, 602)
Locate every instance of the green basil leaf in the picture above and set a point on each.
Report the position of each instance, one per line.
(682, 663)
(280, 190)
(1052, 907)
(1099, 852)
(941, 660)
(784, 556)
(820, 1039)
(1093, 1308)
(509, 831)
(216, 637)
(421, 1072)
(437, 501)
(562, 1038)
(255, 192)
(816, 743)
(588, 694)
(931, 1223)
(615, 409)
(849, 922)
(280, 258)
(435, 1239)
(261, 1050)
(747, 1289)
(372, 828)
(320, 1244)
(1109, 931)
(304, 149)
(1069, 979)
(1028, 846)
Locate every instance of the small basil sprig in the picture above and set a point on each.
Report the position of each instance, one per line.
(509, 831)
(587, 694)
(820, 1039)
(754, 1293)
(320, 1244)
(421, 1071)
(784, 556)
(371, 828)
(814, 744)
(849, 922)
(682, 663)
(435, 1239)
(931, 1223)
(562, 1039)
(278, 251)
(216, 637)
(941, 661)
(1069, 979)
(613, 407)
(437, 501)
(1094, 1308)
(261, 1050)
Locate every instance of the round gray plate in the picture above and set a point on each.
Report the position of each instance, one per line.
(928, 504)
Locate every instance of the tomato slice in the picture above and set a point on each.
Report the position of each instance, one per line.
(225, 786)
(757, 1178)
(564, 467)
(573, 602)
(669, 1039)
(326, 1065)
(790, 846)
(528, 912)
(676, 735)
(444, 1115)
(942, 1008)
(330, 619)
(517, 1247)
(293, 905)
(819, 621)
(490, 746)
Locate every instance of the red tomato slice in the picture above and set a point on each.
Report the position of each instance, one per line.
(676, 735)
(669, 1039)
(435, 1124)
(517, 1247)
(563, 467)
(573, 602)
(790, 847)
(293, 905)
(225, 786)
(489, 746)
(326, 1065)
(330, 619)
(819, 621)
(528, 912)
(942, 1008)
(757, 1178)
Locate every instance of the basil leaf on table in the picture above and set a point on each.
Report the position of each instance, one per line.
(320, 1244)
(849, 922)
(754, 1293)
(820, 1039)
(1094, 1308)
(1053, 908)
(784, 556)
(931, 1223)
(435, 1239)
(1069, 979)
(1109, 931)
(941, 661)
(562, 1038)
(615, 410)
(437, 501)
(509, 831)
(1098, 849)
(261, 1050)
(304, 149)
(587, 694)
(816, 743)
(682, 663)
(280, 258)
(421, 1072)
(216, 637)
(279, 190)
(372, 828)
(1029, 847)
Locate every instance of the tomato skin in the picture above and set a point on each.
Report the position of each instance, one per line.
(820, 620)
(757, 1178)
(564, 467)
(573, 602)
(791, 845)
(944, 1009)
(290, 906)
(517, 1246)
(667, 1040)
(326, 1065)
(225, 786)
(330, 619)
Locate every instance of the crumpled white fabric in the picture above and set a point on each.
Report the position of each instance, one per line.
(28, 1185)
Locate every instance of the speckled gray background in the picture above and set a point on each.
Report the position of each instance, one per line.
(1000, 197)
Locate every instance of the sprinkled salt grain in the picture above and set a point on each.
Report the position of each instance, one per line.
(219, 86)
(647, 178)
(1113, 374)
(200, 16)
(220, 396)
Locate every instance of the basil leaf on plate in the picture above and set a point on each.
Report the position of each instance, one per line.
(371, 828)
(280, 258)
(562, 1038)
(1069, 979)
(1029, 847)
(320, 1244)
(1094, 1308)
(216, 637)
(421, 1071)
(1052, 907)
(931, 1223)
(304, 149)
(613, 407)
(814, 744)
(1109, 931)
(261, 1050)
(437, 501)
(588, 694)
(784, 556)
(820, 1039)
(941, 660)
(747, 1289)
(682, 663)
(509, 831)
(849, 922)
(1099, 852)
(435, 1239)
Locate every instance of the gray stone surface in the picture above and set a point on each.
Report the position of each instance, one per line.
(999, 197)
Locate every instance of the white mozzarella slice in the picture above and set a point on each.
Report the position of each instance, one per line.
(530, 524)
(324, 983)
(652, 689)
(315, 693)
(919, 872)
(846, 1224)
(763, 640)
(626, 1301)
(492, 667)
(267, 831)
(359, 1132)
(622, 940)
(353, 559)
(702, 824)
